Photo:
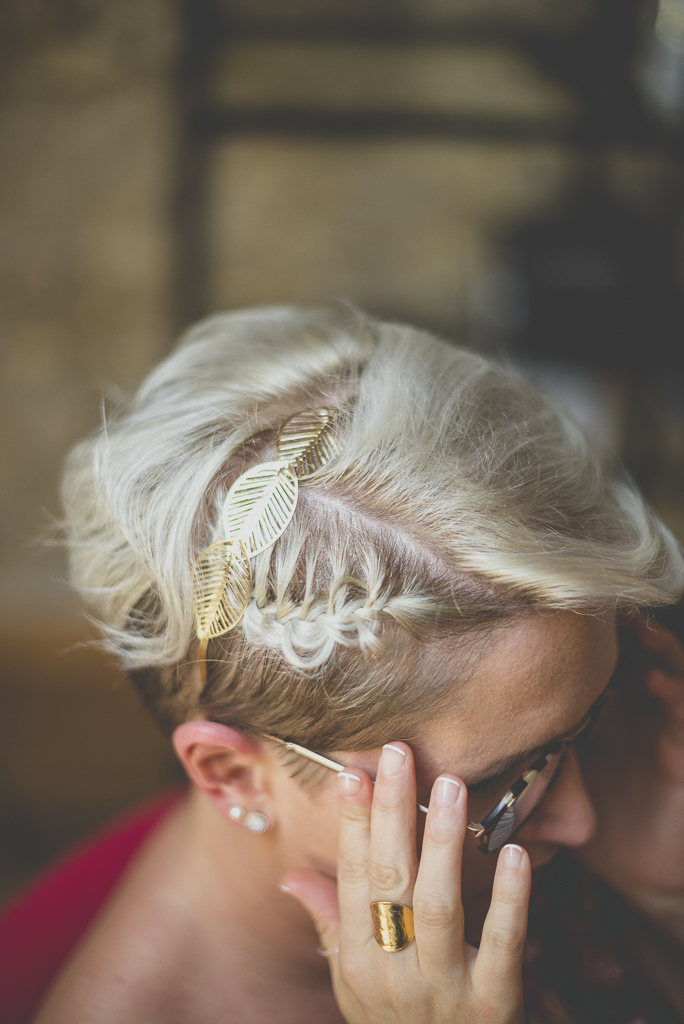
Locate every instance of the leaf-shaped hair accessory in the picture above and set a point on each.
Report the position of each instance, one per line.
(257, 509)
(307, 441)
(223, 584)
(259, 505)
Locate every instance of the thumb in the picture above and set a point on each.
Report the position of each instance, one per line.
(318, 896)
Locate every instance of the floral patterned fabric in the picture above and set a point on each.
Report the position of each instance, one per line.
(580, 965)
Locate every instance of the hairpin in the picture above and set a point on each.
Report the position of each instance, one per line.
(257, 510)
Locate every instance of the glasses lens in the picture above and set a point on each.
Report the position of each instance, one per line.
(528, 801)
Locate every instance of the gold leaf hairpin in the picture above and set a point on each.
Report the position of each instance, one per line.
(257, 510)
(306, 441)
(223, 578)
(223, 583)
(259, 505)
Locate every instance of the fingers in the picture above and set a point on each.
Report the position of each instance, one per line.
(393, 859)
(498, 968)
(437, 905)
(318, 896)
(659, 640)
(355, 795)
(664, 679)
(378, 859)
(669, 690)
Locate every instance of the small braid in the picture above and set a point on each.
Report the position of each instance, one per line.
(306, 635)
(315, 594)
(459, 497)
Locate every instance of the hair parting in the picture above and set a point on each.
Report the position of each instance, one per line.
(457, 498)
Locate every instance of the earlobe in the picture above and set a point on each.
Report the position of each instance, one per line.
(254, 821)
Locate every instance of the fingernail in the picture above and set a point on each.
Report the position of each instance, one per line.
(512, 855)
(392, 759)
(284, 888)
(350, 785)
(446, 791)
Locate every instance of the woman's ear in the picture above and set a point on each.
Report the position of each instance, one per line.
(229, 768)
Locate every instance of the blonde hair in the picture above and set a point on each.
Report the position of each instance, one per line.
(459, 497)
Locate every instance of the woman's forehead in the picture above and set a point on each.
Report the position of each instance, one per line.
(535, 679)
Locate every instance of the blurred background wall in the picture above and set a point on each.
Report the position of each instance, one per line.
(508, 174)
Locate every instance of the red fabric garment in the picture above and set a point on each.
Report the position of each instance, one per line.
(40, 929)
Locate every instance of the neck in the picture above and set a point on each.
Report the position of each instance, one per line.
(233, 877)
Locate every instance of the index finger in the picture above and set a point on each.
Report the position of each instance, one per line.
(355, 796)
(659, 640)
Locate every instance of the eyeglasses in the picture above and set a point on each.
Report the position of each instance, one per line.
(523, 797)
(528, 791)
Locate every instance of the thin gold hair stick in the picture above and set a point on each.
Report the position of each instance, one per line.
(310, 755)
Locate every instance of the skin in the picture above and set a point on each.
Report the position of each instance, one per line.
(200, 930)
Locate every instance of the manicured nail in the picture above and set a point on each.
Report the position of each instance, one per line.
(350, 785)
(392, 759)
(446, 791)
(284, 888)
(512, 855)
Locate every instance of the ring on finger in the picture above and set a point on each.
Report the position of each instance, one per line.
(392, 925)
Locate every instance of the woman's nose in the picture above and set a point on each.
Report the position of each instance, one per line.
(566, 815)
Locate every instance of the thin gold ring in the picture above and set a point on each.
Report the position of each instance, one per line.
(392, 925)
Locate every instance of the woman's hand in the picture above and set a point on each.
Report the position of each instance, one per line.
(635, 776)
(439, 978)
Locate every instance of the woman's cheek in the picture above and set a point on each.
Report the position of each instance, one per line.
(314, 834)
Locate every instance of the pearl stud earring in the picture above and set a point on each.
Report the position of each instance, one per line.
(256, 822)
(236, 812)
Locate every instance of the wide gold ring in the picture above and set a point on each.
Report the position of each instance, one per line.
(392, 925)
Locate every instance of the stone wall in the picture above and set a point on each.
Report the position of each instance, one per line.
(87, 150)
(87, 156)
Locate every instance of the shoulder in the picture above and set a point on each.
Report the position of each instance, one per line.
(126, 965)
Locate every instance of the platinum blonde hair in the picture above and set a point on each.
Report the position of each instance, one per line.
(460, 496)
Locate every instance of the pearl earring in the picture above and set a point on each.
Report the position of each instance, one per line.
(236, 812)
(256, 822)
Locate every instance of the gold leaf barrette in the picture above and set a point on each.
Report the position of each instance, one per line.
(259, 505)
(257, 510)
(306, 441)
(223, 583)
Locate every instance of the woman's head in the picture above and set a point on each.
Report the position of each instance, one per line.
(451, 577)
(459, 499)
(534, 683)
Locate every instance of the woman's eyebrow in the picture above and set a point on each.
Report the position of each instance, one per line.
(503, 765)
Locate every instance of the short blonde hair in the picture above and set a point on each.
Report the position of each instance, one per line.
(460, 497)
